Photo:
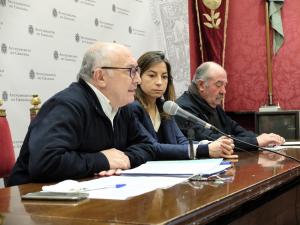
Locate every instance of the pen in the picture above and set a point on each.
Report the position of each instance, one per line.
(104, 187)
(225, 163)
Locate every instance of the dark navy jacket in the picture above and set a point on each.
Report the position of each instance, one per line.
(196, 105)
(65, 140)
(170, 142)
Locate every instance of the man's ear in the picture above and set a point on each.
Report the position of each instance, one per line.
(201, 85)
(98, 78)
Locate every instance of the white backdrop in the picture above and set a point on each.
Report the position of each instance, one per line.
(43, 41)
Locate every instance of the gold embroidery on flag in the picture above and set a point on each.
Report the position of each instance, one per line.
(213, 19)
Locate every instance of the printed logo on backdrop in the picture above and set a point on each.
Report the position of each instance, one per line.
(84, 39)
(30, 29)
(3, 3)
(96, 22)
(63, 15)
(64, 57)
(3, 48)
(12, 50)
(104, 24)
(54, 12)
(134, 31)
(120, 10)
(17, 5)
(88, 2)
(55, 55)
(4, 96)
(41, 32)
(45, 76)
(18, 97)
(77, 37)
(31, 74)
(1, 72)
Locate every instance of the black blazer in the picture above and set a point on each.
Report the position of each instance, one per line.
(170, 142)
(65, 139)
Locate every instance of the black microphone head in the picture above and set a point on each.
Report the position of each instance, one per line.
(170, 108)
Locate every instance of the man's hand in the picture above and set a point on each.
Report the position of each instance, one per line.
(109, 173)
(222, 147)
(117, 161)
(272, 139)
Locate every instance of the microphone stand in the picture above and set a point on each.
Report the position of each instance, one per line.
(191, 137)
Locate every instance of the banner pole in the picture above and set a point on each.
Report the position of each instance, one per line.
(269, 57)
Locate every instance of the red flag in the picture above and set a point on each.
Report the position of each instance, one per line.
(7, 155)
(212, 23)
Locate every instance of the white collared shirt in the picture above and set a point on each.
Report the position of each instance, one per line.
(157, 120)
(109, 111)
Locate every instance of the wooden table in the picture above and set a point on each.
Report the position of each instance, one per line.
(265, 190)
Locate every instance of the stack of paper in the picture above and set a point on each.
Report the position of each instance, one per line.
(178, 168)
(145, 178)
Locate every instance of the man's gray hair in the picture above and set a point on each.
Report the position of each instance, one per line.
(201, 72)
(94, 57)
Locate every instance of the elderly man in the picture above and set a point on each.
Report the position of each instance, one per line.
(84, 129)
(203, 99)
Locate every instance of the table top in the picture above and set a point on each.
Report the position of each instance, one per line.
(253, 174)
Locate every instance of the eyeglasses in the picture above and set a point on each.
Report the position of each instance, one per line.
(133, 71)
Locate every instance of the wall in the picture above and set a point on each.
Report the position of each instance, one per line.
(246, 57)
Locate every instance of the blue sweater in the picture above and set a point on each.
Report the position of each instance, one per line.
(65, 140)
(169, 141)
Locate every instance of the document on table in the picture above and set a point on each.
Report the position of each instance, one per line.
(177, 168)
(145, 178)
(116, 187)
(288, 144)
(291, 143)
(134, 186)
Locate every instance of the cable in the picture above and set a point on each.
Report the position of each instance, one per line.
(259, 148)
(240, 149)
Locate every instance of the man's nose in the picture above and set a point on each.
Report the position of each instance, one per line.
(137, 78)
(223, 90)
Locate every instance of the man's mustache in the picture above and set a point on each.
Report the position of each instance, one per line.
(220, 96)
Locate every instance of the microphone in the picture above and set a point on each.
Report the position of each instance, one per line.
(173, 109)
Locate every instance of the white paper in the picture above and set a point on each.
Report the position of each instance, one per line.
(175, 167)
(291, 143)
(105, 187)
(63, 186)
(133, 183)
(134, 186)
(280, 147)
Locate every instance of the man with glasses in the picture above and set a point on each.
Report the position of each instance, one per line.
(204, 98)
(86, 129)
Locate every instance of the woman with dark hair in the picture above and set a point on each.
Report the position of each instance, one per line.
(155, 88)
